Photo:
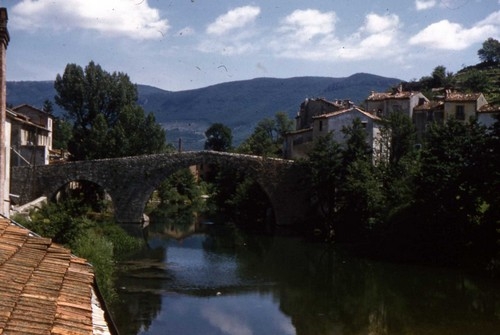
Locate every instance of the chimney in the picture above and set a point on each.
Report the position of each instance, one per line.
(4, 183)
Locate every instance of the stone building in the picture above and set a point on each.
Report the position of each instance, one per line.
(4, 138)
(317, 117)
(399, 101)
(31, 135)
(462, 106)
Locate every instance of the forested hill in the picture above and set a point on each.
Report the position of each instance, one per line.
(239, 104)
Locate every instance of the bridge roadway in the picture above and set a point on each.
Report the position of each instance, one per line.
(130, 181)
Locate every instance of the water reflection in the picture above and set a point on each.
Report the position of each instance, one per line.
(220, 280)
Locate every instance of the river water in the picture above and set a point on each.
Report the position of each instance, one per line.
(213, 279)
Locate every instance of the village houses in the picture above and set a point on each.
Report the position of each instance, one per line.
(318, 116)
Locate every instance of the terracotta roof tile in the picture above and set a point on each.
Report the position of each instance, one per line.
(343, 111)
(44, 288)
(457, 96)
(377, 96)
(488, 108)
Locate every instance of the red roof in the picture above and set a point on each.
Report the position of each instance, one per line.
(332, 114)
(394, 95)
(488, 108)
(44, 289)
(455, 96)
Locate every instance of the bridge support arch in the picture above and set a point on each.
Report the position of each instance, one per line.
(131, 180)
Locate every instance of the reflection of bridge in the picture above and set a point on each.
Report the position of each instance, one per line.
(130, 181)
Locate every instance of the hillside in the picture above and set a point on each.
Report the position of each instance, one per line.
(483, 77)
(239, 104)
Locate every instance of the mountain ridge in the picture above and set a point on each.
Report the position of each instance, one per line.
(240, 105)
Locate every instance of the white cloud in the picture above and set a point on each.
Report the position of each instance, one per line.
(375, 24)
(493, 19)
(130, 18)
(304, 25)
(310, 35)
(447, 35)
(235, 18)
(424, 4)
(229, 34)
(225, 322)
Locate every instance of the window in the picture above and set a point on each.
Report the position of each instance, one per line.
(320, 125)
(459, 112)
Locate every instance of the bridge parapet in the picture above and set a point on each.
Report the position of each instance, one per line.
(130, 181)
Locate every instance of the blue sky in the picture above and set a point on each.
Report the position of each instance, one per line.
(184, 44)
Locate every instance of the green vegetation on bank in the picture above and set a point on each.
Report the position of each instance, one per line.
(437, 203)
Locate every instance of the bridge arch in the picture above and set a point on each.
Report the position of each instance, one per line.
(130, 181)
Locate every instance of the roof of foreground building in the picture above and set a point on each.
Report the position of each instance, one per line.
(44, 289)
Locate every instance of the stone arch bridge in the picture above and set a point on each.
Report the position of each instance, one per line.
(130, 181)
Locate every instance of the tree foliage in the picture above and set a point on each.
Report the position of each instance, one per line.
(450, 187)
(325, 173)
(63, 132)
(268, 136)
(490, 52)
(219, 138)
(107, 122)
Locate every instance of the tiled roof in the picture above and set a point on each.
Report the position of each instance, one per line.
(333, 114)
(488, 108)
(374, 96)
(44, 289)
(455, 96)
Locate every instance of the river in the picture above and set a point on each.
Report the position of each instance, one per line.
(216, 279)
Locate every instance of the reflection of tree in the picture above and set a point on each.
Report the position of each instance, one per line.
(325, 292)
(140, 285)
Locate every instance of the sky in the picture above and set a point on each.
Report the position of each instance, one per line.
(186, 44)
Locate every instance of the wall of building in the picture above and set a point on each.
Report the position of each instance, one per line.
(4, 160)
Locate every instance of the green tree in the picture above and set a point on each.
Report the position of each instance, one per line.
(398, 138)
(356, 145)
(268, 136)
(397, 167)
(490, 52)
(476, 80)
(219, 137)
(48, 107)
(107, 122)
(361, 196)
(441, 78)
(325, 171)
(489, 232)
(62, 133)
(450, 188)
